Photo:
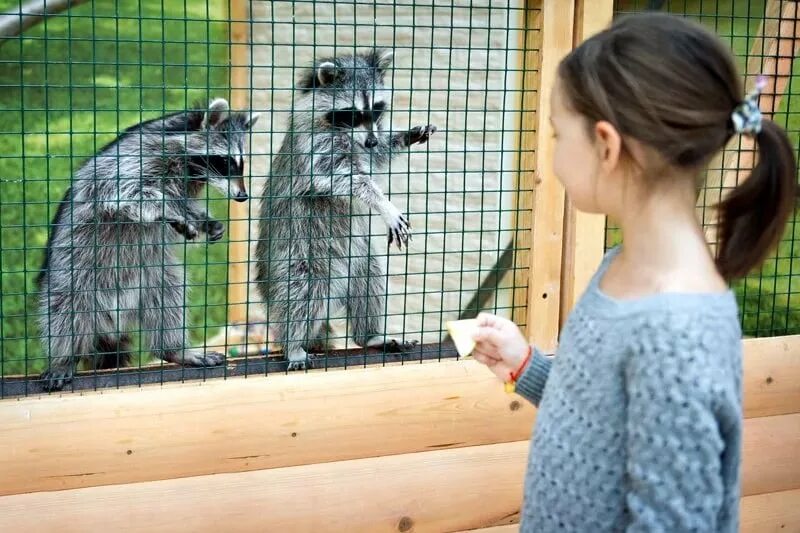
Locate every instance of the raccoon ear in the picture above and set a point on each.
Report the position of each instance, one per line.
(218, 111)
(251, 120)
(326, 73)
(382, 59)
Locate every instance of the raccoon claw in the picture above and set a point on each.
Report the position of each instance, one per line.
(214, 229)
(190, 232)
(399, 232)
(395, 346)
(300, 363)
(212, 359)
(55, 381)
(184, 228)
(420, 134)
(391, 345)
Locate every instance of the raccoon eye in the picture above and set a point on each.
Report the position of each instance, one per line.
(236, 166)
(346, 118)
(217, 164)
(377, 111)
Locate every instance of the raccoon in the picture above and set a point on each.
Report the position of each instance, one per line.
(313, 257)
(108, 262)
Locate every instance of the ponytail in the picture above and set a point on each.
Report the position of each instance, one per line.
(753, 216)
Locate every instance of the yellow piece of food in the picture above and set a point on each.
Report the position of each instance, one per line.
(461, 331)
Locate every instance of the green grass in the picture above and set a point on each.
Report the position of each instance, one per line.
(769, 300)
(66, 89)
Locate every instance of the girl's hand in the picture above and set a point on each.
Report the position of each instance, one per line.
(499, 344)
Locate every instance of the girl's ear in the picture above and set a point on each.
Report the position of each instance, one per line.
(608, 144)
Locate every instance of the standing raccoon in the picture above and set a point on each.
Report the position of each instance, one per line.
(314, 256)
(108, 264)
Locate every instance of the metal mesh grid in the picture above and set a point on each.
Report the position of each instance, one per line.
(769, 300)
(71, 84)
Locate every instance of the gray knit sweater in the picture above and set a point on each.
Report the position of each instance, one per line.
(639, 421)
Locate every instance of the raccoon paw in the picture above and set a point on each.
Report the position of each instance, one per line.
(214, 229)
(396, 346)
(391, 345)
(55, 380)
(190, 232)
(420, 134)
(299, 361)
(184, 228)
(196, 358)
(399, 230)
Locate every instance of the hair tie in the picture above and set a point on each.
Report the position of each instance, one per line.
(746, 117)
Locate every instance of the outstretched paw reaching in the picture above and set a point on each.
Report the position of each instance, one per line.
(420, 134)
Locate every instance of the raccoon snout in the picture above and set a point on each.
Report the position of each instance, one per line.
(241, 196)
(371, 142)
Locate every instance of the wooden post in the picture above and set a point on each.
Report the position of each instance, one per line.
(544, 290)
(530, 62)
(584, 233)
(772, 55)
(238, 226)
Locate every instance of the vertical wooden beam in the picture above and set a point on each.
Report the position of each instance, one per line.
(584, 233)
(238, 226)
(544, 293)
(530, 63)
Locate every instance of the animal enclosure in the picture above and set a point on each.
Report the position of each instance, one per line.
(459, 67)
(418, 441)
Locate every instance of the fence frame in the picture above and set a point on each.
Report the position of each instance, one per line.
(434, 446)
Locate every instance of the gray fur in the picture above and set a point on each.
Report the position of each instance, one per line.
(313, 257)
(108, 262)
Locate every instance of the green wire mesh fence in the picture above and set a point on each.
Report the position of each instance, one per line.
(74, 82)
(764, 39)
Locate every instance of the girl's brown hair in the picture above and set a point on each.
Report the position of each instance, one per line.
(672, 85)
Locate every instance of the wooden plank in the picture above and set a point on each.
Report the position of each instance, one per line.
(509, 528)
(544, 292)
(239, 225)
(285, 420)
(531, 44)
(242, 424)
(771, 380)
(776, 512)
(770, 454)
(584, 233)
(442, 490)
(435, 491)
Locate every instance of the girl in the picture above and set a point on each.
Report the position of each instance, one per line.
(640, 417)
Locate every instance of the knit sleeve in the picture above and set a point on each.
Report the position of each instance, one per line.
(530, 384)
(676, 381)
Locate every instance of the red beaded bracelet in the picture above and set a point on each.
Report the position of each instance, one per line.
(511, 384)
